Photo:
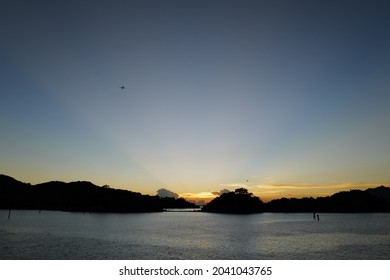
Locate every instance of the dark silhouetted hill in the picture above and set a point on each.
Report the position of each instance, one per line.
(381, 192)
(8, 181)
(354, 201)
(13, 192)
(238, 202)
(291, 205)
(87, 197)
(79, 196)
(346, 202)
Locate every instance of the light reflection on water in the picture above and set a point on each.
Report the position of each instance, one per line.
(193, 235)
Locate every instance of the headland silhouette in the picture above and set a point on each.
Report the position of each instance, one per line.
(84, 196)
(81, 197)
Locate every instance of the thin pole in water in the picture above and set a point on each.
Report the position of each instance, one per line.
(9, 214)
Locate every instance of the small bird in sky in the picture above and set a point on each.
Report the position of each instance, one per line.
(122, 87)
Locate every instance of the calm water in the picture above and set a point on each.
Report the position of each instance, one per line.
(192, 235)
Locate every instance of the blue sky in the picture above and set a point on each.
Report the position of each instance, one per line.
(292, 96)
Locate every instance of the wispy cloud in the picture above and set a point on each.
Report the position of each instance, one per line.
(233, 186)
(313, 186)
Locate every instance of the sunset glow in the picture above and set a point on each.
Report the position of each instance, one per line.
(285, 98)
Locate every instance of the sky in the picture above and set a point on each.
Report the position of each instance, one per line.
(284, 98)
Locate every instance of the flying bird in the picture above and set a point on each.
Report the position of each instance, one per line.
(122, 87)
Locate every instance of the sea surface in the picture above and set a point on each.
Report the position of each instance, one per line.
(193, 235)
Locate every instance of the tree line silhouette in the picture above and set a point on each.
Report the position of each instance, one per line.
(86, 197)
(353, 201)
(240, 201)
(80, 196)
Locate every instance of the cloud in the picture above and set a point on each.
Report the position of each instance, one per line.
(166, 193)
(221, 192)
(234, 185)
(306, 186)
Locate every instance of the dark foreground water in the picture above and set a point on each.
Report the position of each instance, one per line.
(192, 235)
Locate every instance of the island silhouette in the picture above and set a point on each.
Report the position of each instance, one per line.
(238, 202)
(80, 196)
(84, 196)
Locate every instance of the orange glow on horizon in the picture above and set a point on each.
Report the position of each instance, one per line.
(198, 198)
(271, 192)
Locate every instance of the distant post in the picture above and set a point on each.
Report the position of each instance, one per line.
(9, 213)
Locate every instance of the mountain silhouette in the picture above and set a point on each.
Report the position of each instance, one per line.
(238, 202)
(86, 197)
(344, 202)
(79, 196)
(381, 192)
(353, 201)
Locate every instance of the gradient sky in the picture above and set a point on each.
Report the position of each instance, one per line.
(285, 98)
